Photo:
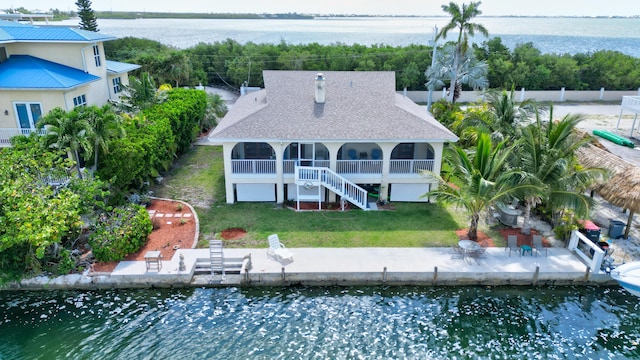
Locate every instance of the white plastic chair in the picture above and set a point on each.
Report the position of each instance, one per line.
(277, 250)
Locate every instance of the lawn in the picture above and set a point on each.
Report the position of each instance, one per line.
(198, 179)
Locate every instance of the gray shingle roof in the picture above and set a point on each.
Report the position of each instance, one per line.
(359, 106)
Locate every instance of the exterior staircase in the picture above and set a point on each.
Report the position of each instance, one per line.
(310, 177)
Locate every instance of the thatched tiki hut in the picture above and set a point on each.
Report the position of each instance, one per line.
(623, 188)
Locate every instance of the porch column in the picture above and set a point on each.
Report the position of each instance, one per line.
(278, 148)
(438, 149)
(333, 164)
(227, 148)
(386, 148)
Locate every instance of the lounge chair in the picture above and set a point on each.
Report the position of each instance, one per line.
(537, 244)
(512, 244)
(277, 249)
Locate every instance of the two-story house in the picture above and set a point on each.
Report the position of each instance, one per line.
(329, 136)
(44, 67)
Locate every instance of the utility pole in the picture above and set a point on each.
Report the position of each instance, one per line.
(433, 63)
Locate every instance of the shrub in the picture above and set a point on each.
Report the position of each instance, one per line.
(122, 233)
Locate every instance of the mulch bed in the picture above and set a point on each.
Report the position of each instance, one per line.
(486, 241)
(233, 233)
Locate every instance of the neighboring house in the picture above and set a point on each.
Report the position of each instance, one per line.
(327, 137)
(44, 67)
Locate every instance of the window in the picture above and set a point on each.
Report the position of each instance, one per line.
(79, 101)
(116, 85)
(28, 115)
(96, 55)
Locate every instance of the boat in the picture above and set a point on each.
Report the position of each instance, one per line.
(628, 275)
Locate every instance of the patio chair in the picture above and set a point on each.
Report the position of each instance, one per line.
(352, 154)
(537, 244)
(477, 254)
(512, 244)
(376, 154)
(277, 249)
(457, 252)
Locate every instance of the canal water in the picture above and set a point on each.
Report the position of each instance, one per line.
(322, 323)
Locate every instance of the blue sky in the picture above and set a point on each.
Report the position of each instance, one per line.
(372, 7)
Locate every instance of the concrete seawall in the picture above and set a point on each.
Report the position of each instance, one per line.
(341, 267)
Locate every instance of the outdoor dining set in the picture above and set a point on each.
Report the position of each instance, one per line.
(469, 249)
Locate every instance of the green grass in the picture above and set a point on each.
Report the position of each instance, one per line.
(198, 179)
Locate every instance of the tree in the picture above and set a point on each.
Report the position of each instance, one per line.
(216, 109)
(68, 132)
(88, 19)
(461, 20)
(105, 125)
(141, 94)
(545, 153)
(478, 179)
(468, 71)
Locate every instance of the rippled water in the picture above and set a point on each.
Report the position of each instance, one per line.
(335, 323)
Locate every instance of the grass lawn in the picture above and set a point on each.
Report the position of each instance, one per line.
(198, 178)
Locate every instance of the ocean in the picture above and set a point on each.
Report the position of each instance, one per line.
(556, 35)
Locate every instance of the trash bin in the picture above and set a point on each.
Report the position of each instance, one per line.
(616, 229)
(590, 230)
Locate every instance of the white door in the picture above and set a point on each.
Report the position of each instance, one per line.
(306, 152)
(28, 115)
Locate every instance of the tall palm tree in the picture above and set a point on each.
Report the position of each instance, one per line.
(461, 20)
(141, 93)
(67, 131)
(479, 179)
(105, 125)
(545, 153)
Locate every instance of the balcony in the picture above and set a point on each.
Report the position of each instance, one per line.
(365, 167)
(7, 133)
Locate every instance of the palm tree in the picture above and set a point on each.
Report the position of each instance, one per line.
(461, 20)
(546, 155)
(502, 117)
(67, 131)
(481, 179)
(141, 93)
(469, 71)
(105, 125)
(216, 109)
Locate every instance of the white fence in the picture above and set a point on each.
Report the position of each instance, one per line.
(523, 94)
(7, 133)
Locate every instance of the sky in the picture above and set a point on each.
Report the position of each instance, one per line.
(368, 7)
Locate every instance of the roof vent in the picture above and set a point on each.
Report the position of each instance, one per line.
(320, 88)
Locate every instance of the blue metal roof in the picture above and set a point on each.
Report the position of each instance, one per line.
(116, 67)
(25, 72)
(15, 32)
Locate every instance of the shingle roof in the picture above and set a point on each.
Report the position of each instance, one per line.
(24, 72)
(15, 32)
(359, 106)
(116, 67)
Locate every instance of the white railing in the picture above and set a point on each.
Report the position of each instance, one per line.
(410, 166)
(253, 166)
(583, 247)
(342, 166)
(324, 176)
(289, 165)
(7, 133)
(359, 167)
